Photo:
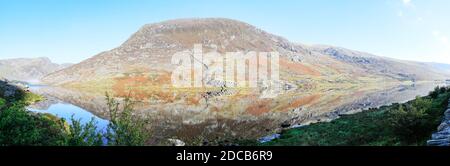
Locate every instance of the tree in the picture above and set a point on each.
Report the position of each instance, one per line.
(124, 129)
(84, 134)
(409, 121)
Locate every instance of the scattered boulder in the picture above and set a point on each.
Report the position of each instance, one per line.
(8, 90)
(176, 142)
(269, 138)
(443, 126)
(447, 115)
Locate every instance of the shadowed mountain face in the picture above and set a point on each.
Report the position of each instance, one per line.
(28, 69)
(150, 49)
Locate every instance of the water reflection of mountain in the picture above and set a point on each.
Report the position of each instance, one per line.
(375, 99)
(44, 105)
(186, 125)
(397, 94)
(92, 103)
(176, 120)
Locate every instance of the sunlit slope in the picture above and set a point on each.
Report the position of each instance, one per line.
(143, 62)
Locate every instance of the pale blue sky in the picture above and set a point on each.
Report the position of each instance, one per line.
(73, 30)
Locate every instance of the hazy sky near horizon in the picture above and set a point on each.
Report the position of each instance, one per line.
(74, 30)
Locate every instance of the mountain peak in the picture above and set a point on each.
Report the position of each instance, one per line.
(196, 22)
(150, 49)
(221, 34)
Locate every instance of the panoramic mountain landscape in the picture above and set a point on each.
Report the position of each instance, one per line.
(318, 83)
(224, 81)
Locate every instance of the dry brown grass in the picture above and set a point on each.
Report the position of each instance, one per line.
(297, 68)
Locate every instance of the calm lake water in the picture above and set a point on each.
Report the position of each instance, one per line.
(72, 111)
(65, 110)
(174, 120)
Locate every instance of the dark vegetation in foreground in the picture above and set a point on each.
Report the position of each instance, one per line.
(408, 124)
(18, 126)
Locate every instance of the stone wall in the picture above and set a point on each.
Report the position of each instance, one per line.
(442, 136)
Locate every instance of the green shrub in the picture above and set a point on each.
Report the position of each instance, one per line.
(2, 103)
(84, 134)
(30, 98)
(124, 129)
(412, 122)
(20, 127)
(438, 90)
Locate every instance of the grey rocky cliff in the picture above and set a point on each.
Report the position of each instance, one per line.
(10, 89)
(442, 136)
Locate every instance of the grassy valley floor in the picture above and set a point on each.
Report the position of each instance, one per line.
(408, 124)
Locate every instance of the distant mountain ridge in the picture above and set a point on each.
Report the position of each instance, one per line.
(149, 50)
(28, 69)
(440, 66)
(394, 68)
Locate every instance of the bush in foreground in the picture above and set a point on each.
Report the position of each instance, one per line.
(411, 122)
(124, 129)
(18, 126)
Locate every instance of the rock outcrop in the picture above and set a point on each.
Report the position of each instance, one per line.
(8, 89)
(442, 136)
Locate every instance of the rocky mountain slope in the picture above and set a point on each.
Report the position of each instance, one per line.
(383, 66)
(28, 69)
(153, 45)
(149, 50)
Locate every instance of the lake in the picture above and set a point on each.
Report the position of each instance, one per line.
(228, 117)
(65, 110)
